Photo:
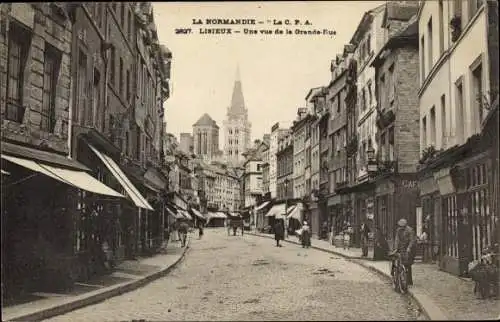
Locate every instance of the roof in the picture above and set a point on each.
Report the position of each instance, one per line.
(205, 120)
(313, 92)
(367, 18)
(399, 11)
(408, 32)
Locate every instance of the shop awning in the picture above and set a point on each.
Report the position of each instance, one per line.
(173, 214)
(296, 213)
(186, 214)
(78, 179)
(131, 190)
(276, 210)
(5, 173)
(198, 214)
(262, 205)
(217, 215)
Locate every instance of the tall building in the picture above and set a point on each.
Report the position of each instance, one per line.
(206, 137)
(237, 128)
(277, 134)
(186, 143)
(457, 95)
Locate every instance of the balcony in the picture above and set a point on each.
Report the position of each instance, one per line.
(385, 117)
(377, 168)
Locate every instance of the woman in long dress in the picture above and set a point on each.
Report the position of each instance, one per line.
(306, 235)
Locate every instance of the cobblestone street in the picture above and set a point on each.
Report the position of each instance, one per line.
(248, 278)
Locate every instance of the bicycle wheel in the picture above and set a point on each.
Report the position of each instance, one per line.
(403, 282)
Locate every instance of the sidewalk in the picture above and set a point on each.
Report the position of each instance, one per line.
(441, 296)
(127, 276)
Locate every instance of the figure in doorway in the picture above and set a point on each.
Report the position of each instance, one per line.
(364, 230)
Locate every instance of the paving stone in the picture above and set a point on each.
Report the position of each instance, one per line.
(225, 278)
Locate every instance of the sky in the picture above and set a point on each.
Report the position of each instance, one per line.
(277, 71)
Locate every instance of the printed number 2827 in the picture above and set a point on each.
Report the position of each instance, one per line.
(183, 31)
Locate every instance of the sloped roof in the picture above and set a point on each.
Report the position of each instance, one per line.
(205, 120)
(400, 11)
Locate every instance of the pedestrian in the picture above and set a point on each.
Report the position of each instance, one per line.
(306, 235)
(381, 245)
(228, 226)
(200, 230)
(364, 239)
(278, 232)
(347, 236)
(405, 244)
(183, 230)
(242, 227)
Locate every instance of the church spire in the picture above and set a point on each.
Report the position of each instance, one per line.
(237, 107)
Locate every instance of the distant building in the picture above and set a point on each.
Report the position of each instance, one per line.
(186, 143)
(237, 128)
(277, 133)
(206, 137)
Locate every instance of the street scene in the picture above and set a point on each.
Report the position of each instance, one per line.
(250, 160)
(246, 278)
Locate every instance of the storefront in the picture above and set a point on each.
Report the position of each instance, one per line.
(462, 175)
(42, 219)
(395, 198)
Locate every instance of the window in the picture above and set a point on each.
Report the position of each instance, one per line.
(424, 132)
(460, 108)
(128, 86)
(126, 143)
(429, 41)
(474, 6)
(363, 99)
(17, 55)
(443, 121)
(422, 57)
(392, 84)
(368, 45)
(477, 92)
(383, 150)
(390, 139)
(370, 98)
(441, 27)
(96, 97)
(50, 71)
(382, 91)
(433, 126)
(122, 15)
(338, 103)
(120, 80)
(82, 79)
(129, 24)
(112, 65)
(138, 141)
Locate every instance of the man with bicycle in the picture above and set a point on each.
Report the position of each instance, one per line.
(405, 244)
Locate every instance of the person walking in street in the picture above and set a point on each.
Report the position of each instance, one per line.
(200, 230)
(405, 244)
(242, 227)
(364, 239)
(347, 236)
(183, 230)
(228, 226)
(306, 235)
(279, 232)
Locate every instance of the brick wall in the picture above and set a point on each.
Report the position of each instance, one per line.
(406, 132)
(43, 26)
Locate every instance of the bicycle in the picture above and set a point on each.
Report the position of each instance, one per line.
(399, 274)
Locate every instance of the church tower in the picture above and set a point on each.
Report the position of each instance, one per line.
(237, 128)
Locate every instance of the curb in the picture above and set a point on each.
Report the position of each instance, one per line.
(426, 305)
(63, 308)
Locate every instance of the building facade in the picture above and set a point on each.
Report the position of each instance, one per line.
(284, 157)
(237, 127)
(252, 178)
(71, 85)
(337, 134)
(299, 130)
(265, 171)
(396, 74)
(458, 72)
(206, 138)
(186, 143)
(276, 134)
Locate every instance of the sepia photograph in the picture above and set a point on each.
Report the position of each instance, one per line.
(250, 161)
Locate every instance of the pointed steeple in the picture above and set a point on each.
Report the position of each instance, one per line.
(237, 101)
